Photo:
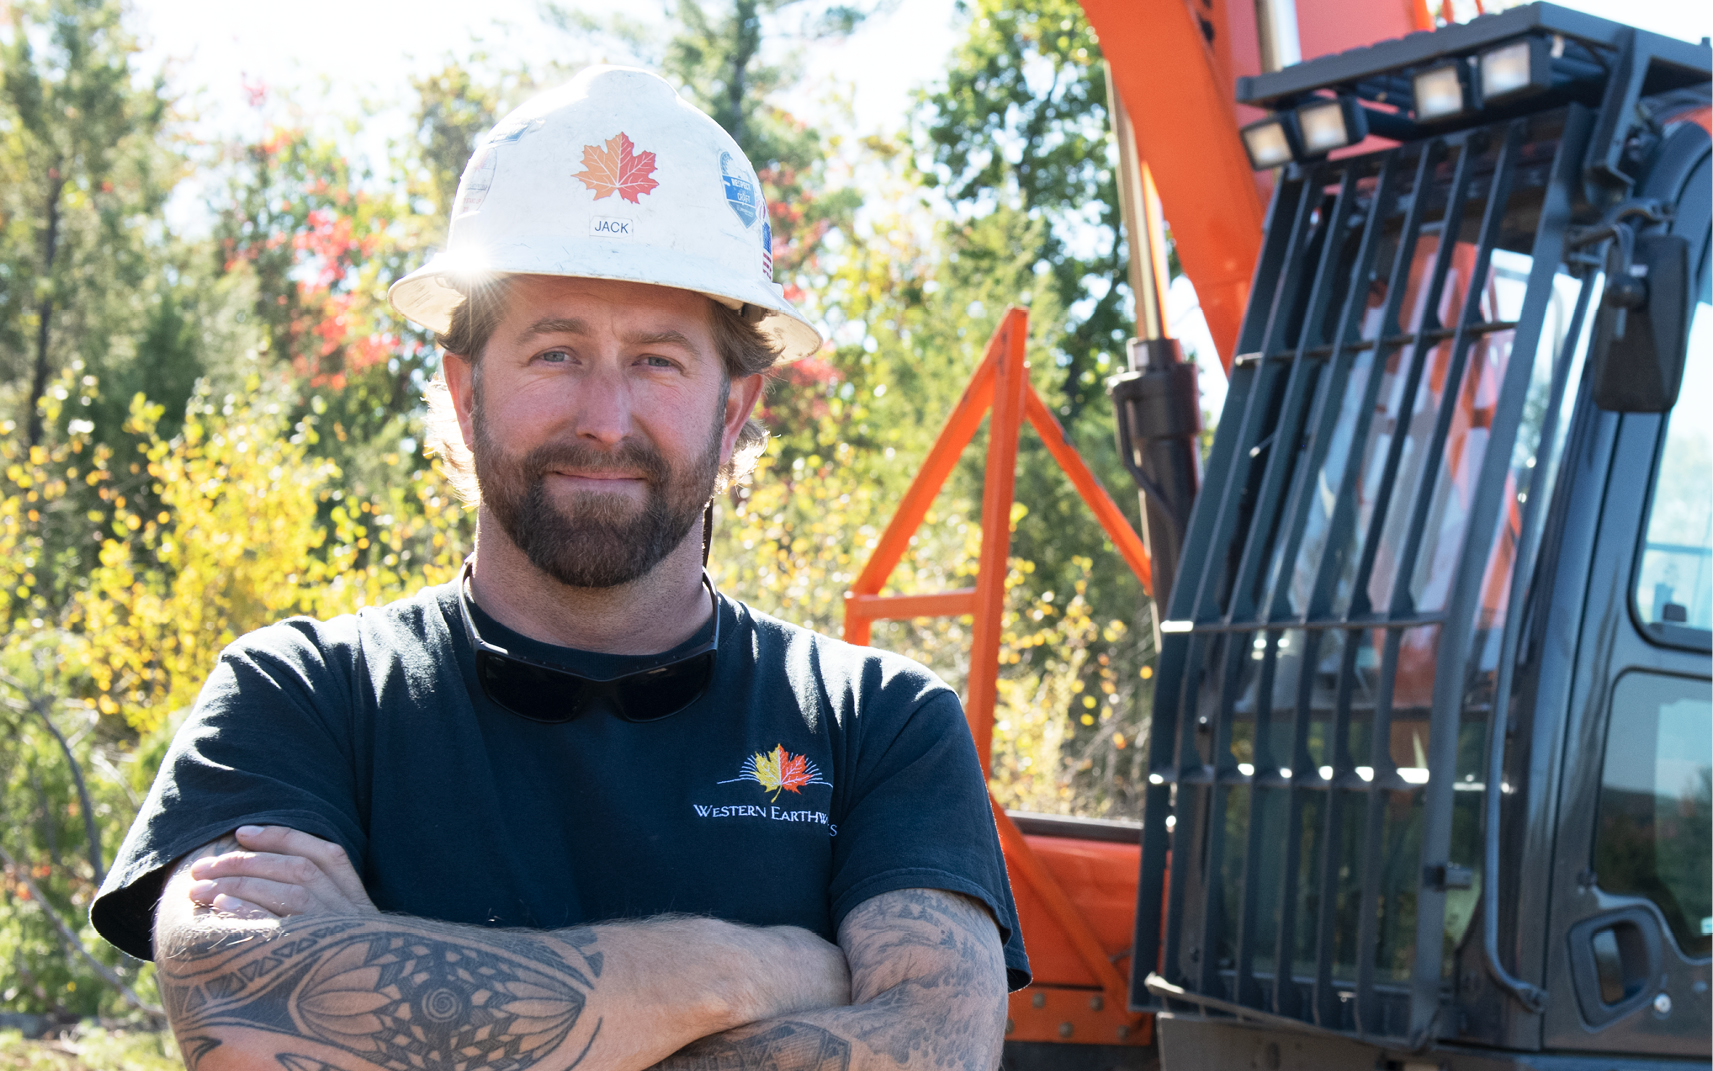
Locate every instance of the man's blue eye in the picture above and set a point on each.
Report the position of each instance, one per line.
(556, 356)
(658, 362)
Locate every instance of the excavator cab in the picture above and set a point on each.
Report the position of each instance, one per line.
(1431, 753)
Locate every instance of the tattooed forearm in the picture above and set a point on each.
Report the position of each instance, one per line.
(396, 996)
(928, 980)
(928, 976)
(923, 939)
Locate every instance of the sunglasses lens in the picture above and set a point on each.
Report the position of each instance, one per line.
(533, 692)
(548, 694)
(665, 691)
(541, 694)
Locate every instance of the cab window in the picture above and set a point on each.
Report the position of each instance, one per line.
(1674, 585)
(1654, 828)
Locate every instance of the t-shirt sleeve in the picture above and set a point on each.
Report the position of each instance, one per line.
(917, 816)
(268, 743)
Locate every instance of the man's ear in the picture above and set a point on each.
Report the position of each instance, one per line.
(460, 375)
(740, 403)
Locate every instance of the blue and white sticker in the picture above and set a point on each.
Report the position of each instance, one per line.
(740, 191)
(767, 250)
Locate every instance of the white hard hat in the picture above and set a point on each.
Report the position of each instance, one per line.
(611, 176)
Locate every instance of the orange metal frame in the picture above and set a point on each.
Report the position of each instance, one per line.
(1095, 1011)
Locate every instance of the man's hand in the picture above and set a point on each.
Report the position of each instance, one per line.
(277, 872)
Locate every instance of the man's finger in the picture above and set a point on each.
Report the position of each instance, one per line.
(277, 897)
(231, 905)
(327, 855)
(288, 869)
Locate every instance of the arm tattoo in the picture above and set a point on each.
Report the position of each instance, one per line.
(923, 947)
(405, 999)
(928, 976)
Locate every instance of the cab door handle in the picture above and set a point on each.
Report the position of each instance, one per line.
(1615, 962)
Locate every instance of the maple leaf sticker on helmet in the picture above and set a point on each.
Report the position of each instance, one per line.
(616, 167)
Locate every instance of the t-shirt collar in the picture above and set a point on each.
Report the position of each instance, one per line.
(589, 663)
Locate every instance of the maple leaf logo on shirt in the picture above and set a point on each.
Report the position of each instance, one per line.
(779, 771)
(617, 167)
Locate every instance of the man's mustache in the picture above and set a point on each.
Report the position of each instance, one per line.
(631, 457)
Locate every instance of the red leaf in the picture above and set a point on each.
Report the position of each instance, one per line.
(793, 771)
(617, 168)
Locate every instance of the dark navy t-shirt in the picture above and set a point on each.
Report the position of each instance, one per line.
(812, 776)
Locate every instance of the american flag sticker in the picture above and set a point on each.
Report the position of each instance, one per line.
(767, 250)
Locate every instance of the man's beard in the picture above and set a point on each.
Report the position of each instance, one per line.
(597, 540)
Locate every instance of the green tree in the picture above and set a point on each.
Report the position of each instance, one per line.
(453, 109)
(86, 176)
(1020, 127)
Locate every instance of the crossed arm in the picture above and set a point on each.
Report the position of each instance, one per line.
(270, 955)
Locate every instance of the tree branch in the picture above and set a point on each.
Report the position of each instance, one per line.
(70, 937)
(91, 829)
(45, 314)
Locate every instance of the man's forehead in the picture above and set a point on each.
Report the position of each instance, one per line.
(636, 313)
(533, 296)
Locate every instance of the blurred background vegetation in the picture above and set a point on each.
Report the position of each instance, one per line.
(203, 432)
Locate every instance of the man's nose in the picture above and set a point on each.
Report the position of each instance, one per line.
(601, 407)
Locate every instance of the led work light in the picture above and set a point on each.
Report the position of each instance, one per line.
(1326, 125)
(1518, 69)
(1441, 91)
(1271, 142)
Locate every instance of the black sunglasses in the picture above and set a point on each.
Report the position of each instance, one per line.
(546, 693)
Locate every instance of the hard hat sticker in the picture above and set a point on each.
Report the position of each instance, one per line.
(473, 187)
(740, 191)
(617, 167)
(612, 227)
(767, 250)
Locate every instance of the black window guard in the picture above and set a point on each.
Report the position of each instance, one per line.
(1318, 624)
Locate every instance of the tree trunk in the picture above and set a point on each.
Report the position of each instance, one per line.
(746, 27)
(50, 836)
(42, 705)
(91, 828)
(50, 249)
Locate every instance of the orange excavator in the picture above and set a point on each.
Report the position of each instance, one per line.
(1432, 733)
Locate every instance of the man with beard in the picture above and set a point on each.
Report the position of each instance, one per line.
(576, 807)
